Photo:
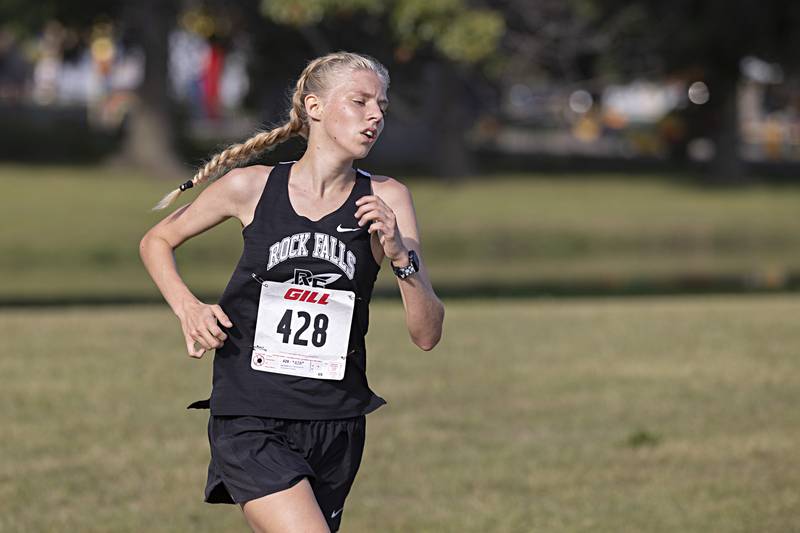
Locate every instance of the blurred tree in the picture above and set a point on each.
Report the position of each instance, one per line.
(707, 36)
(19, 15)
(149, 139)
(552, 39)
(449, 42)
(149, 142)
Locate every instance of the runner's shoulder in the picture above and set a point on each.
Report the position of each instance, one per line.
(242, 184)
(390, 189)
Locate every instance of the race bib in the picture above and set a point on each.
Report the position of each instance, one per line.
(302, 331)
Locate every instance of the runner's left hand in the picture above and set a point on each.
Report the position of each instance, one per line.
(380, 217)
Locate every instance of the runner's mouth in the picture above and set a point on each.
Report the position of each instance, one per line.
(370, 134)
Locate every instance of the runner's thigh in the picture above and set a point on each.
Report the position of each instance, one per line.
(288, 511)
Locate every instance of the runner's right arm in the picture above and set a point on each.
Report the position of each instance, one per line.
(233, 195)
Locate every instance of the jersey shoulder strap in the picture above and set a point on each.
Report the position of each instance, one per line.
(369, 178)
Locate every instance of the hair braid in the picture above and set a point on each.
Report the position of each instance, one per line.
(234, 156)
(314, 79)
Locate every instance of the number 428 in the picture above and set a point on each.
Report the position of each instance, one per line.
(318, 336)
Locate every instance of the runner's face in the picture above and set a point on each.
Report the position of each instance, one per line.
(354, 111)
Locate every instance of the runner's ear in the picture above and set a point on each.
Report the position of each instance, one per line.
(314, 107)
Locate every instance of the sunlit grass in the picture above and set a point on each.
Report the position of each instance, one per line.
(74, 231)
(657, 415)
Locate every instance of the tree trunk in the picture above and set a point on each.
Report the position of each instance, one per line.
(451, 122)
(727, 166)
(149, 142)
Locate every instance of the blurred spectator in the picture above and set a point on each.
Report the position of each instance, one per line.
(48, 64)
(187, 53)
(206, 76)
(15, 71)
(102, 71)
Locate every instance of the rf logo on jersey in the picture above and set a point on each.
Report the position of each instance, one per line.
(306, 277)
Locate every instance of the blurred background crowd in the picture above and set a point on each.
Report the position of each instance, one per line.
(475, 85)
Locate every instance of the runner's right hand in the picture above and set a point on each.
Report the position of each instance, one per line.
(199, 324)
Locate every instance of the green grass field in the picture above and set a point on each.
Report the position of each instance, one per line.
(604, 415)
(74, 232)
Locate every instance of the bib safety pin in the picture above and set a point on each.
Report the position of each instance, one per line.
(258, 279)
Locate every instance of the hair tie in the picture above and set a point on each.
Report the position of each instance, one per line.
(188, 185)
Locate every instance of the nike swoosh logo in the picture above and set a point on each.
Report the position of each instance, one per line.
(340, 229)
(336, 513)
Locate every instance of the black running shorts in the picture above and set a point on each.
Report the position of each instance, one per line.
(254, 456)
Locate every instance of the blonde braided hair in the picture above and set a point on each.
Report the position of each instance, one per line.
(315, 79)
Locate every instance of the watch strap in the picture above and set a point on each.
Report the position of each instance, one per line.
(411, 268)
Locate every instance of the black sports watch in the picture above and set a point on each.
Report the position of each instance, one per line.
(413, 266)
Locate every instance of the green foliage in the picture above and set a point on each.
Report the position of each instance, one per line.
(471, 36)
(585, 9)
(17, 17)
(23, 18)
(294, 12)
(714, 34)
(419, 21)
(465, 35)
(458, 32)
(301, 13)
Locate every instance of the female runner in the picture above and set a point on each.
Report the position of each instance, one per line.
(290, 392)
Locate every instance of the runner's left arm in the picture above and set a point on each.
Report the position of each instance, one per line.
(390, 212)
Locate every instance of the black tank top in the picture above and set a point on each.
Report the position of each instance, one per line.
(280, 246)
